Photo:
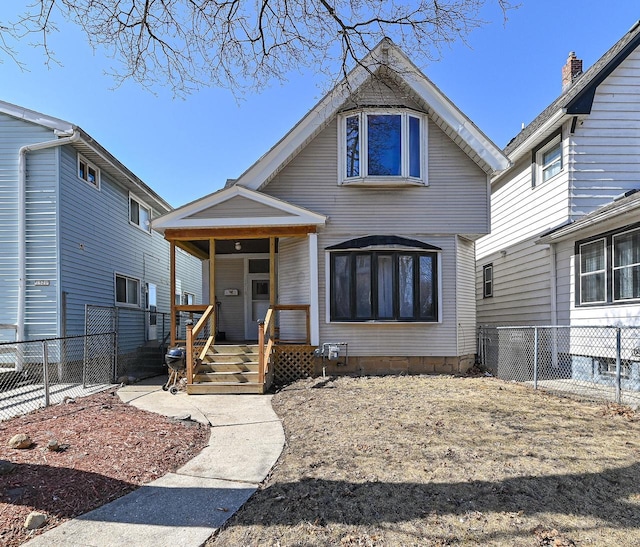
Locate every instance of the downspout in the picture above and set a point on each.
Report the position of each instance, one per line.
(22, 221)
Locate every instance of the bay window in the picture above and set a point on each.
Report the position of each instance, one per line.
(383, 285)
(382, 147)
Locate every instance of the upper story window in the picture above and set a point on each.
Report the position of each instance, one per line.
(88, 172)
(383, 147)
(127, 290)
(548, 160)
(487, 281)
(139, 214)
(610, 268)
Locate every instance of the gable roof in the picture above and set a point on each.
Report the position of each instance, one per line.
(385, 56)
(575, 100)
(237, 207)
(92, 150)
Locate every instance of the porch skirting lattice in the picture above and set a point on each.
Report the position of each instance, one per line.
(292, 362)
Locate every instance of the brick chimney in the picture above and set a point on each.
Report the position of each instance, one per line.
(571, 70)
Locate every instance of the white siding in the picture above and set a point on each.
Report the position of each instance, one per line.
(521, 286)
(606, 159)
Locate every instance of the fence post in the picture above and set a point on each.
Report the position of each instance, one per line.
(115, 356)
(618, 364)
(45, 372)
(535, 358)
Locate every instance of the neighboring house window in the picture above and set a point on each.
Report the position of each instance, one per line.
(607, 366)
(382, 147)
(487, 281)
(548, 160)
(127, 290)
(88, 172)
(139, 214)
(188, 299)
(610, 268)
(383, 285)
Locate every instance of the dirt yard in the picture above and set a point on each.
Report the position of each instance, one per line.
(400, 461)
(107, 449)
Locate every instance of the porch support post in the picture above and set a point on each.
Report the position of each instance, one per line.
(172, 296)
(314, 300)
(212, 285)
(272, 282)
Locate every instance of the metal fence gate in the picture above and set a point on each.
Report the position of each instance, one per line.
(592, 362)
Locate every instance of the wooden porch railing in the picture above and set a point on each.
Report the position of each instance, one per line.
(267, 332)
(192, 336)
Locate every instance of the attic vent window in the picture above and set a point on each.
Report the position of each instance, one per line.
(382, 147)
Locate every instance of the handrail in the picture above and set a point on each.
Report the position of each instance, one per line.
(192, 334)
(206, 347)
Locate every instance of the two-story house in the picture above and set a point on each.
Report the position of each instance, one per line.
(564, 240)
(365, 216)
(75, 230)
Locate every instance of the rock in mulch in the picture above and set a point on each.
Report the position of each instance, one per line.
(21, 440)
(35, 520)
(6, 467)
(53, 445)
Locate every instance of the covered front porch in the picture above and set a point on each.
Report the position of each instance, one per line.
(257, 322)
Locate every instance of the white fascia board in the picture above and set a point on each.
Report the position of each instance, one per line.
(243, 222)
(177, 218)
(36, 117)
(550, 125)
(449, 113)
(579, 226)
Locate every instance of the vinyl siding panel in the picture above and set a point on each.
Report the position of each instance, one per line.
(229, 275)
(606, 145)
(519, 211)
(466, 297)
(41, 234)
(97, 241)
(454, 202)
(293, 286)
(521, 286)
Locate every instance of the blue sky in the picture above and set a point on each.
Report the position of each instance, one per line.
(186, 148)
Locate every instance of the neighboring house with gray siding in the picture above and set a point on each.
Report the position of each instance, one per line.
(371, 205)
(564, 248)
(75, 230)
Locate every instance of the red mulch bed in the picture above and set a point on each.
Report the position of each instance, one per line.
(108, 449)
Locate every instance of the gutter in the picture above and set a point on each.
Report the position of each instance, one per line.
(64, 138)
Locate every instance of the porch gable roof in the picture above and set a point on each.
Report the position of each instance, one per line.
(237, 207)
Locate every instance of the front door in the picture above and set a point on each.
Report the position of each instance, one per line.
(256, 303)
(151, 305)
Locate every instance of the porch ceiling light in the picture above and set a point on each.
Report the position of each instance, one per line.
(238, 246)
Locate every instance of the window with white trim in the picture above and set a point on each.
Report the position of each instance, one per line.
(382, 146)
(383, 285)
(487, 281)
(127, 290)
(139, 214)
(609, 268)
(88, 172)
(547, 160)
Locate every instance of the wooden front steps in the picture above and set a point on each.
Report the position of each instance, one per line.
(228, 369)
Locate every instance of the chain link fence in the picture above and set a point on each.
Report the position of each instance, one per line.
(591, 362)
(39, 373)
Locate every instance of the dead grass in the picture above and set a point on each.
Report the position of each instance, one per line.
(444, 461)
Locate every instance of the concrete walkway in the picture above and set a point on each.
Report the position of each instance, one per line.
(184, 508)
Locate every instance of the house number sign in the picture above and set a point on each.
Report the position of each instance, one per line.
(42, 282)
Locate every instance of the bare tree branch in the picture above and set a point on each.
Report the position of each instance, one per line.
(243, 45)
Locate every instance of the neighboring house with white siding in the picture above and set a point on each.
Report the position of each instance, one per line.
(564, 247)
(366, 214)
(75, 230)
